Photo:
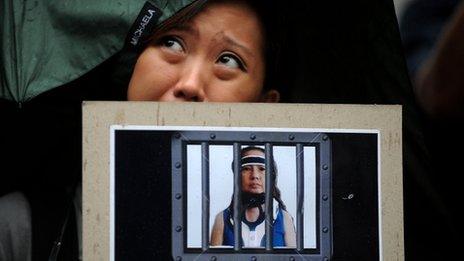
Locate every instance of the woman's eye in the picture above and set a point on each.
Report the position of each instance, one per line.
(231, 61)
(172, 44)
(246, 168)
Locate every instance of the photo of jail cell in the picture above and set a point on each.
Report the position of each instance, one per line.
(221, 231)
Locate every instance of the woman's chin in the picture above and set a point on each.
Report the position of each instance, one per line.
(256, 191)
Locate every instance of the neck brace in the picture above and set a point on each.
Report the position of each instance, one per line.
(251, 200)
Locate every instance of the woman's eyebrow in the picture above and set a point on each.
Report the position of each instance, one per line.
(187, 29)
(195, 33)
(236, 44)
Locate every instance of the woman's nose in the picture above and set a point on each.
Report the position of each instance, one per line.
(191, 84)
(254, 174)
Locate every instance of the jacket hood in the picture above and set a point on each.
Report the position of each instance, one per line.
(48, 43)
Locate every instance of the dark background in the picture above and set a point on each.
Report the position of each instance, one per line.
(143, 196)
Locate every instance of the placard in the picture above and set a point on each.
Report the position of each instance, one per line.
(169, 181)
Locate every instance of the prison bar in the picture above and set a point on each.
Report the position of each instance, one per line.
(205, 196)
(268, 203)
(237, 197)
(299, 196)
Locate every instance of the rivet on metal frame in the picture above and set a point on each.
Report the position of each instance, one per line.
(252, 136)
(178, 165)
(253, 258)
(177, 135)
(325, 229)
(178, 229)
(178, 258)
(325, 197)
(325, 167)
(178, 196)
(291, 137)
(212, 136)
(213, 258)
(325, 138)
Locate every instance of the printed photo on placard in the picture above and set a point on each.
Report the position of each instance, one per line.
(253, 173)
(295, 192)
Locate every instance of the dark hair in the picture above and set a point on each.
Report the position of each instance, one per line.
(274, 35)
(180, 18)
(275, 190)
(272, 32)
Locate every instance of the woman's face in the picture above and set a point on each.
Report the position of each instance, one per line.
(253, 176)
(216, 56)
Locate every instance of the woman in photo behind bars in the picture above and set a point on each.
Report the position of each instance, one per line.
(253, 176)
